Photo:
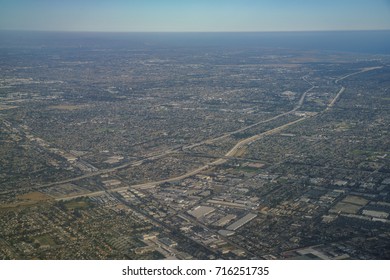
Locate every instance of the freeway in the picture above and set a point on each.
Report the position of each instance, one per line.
(331, 104)
(358, 72)
(168, 152)
(296, 108)
(208, 141)
(244, 142)
(341, 91)
(219, 161)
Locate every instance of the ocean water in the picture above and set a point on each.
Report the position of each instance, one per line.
(370, 42)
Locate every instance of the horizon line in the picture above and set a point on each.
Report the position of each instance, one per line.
(216, 31)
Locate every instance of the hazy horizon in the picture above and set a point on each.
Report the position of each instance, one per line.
(194, 16)
(129, 32)
(373, 42)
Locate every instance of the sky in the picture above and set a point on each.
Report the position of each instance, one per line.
(194, 15)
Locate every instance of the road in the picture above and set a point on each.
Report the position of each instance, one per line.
(358, 72)
(219, 161)
(331, 104)
(168, 152)
(239, 145)
(196, 171)
(341, 91)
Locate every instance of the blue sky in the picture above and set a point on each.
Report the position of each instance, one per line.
(194, 15)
